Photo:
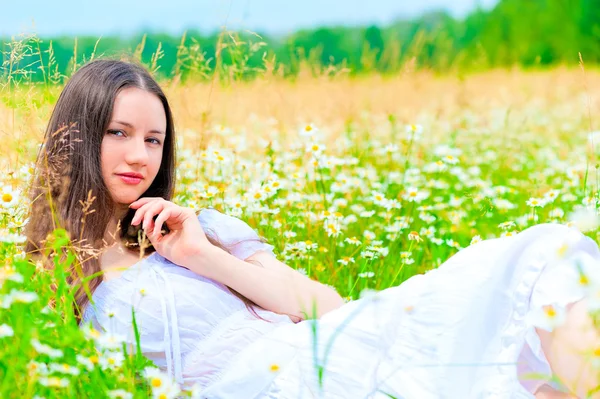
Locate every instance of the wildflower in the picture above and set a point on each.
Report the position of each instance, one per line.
(535, 202)
(450, 159)
(308, 130)
(110, 341)
(36, 369)
(315, 148)
(551, 195)
(289, 234)
(119, 394)
(64, 369)
(111, 360)
(46, 349)
(428, 231)
(9, 198)
(547, 317)
(332, 227)
(507, 225)
(414, 130)
(209, 192)
(413, 194)
(378, 198)
(475, 239)
(16, 296)
(585, 219)
(352, 240)
(161, 384)
(6, 331)
(369, 235)
(54, 382)
(90, 332)
(156, 378)
(12, 238)
(405, 257)
(451, 243)
(366, 275)
(87, 362)
(10, 273)
(345, 260)
(414, 236)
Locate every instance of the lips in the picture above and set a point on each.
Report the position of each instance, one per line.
(130, 178)
(131, 174)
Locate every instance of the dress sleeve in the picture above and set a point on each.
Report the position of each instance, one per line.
(237, 236)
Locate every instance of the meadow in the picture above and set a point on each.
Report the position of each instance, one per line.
(358, 181)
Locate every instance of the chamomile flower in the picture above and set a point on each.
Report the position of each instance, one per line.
(111, 360)
(63, 369)
(9, 197)
(366, 275)
(413, 194)
(414, 236)
(46, 349)
(119, 394)
(547, 317)
(6, 331)
(414, 130)
(352, 240)
(53, 382)
(535, 202)
(475, 239)
(308, 130)
(345, 260)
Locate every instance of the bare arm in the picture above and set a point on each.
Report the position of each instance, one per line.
(570, 351)
(547, 392)
(275, 287)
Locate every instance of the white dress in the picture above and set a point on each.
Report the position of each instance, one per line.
(459, 331)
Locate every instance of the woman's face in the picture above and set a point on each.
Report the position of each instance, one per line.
(132, 146)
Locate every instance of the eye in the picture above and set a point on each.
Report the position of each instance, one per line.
(154, 141)
(115, 132)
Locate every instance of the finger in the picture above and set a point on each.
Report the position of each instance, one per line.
(153, 209)
(142, 201)
(139, 214)
(162, 217)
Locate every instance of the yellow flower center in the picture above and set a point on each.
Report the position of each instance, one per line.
(156, 382)
(562, 250)
(7, 197)
(274, 368)
(308, 128)
(550, 312)
(94, 359)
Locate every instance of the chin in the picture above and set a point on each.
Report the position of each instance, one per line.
(126, 199)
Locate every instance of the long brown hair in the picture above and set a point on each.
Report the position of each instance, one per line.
(67, 189)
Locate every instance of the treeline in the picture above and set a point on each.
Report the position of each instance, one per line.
(515, 32)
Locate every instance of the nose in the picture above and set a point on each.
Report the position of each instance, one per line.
(136, 151)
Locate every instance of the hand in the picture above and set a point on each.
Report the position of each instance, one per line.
(185, 240)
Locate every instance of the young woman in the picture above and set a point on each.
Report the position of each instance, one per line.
(215, 307)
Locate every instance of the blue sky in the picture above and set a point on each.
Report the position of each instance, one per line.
(124, 17)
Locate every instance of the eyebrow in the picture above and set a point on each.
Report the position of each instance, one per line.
(131, 126)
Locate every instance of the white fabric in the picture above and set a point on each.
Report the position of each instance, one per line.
(459, 331)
